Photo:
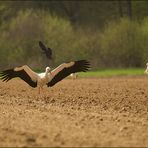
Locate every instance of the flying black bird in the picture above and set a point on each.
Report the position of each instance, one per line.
(47, 51)
(49, 78)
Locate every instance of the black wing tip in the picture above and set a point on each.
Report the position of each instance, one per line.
(83, 65)
(6, 75)
(5, 78)
(83, 61)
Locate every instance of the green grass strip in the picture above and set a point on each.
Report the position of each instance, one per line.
(113, 72)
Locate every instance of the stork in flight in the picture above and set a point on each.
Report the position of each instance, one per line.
(47, 51)
(49, 78)
(146, 71)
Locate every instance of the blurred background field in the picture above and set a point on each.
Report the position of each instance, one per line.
(113, 72)
(106, 106)
(110, 34)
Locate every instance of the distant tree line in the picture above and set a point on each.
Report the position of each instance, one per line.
(108, 33)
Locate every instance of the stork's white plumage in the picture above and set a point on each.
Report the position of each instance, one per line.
(73, 76)
(49, 78)
(146, 71)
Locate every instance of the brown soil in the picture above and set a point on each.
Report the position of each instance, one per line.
(82, 112)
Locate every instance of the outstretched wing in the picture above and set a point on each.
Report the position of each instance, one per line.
(46, 50)
(49, 53)
(42, 46)
(66, 69)
(7, 75)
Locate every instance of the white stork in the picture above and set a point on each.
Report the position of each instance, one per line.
(49, 78)
(73, 76)
(146, 71)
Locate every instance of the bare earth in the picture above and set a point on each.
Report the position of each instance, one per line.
(83, 112)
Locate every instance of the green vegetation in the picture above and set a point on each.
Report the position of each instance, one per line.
(113, 72)
(98, 31)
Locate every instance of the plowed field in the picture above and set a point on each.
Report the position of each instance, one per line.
(82, 112)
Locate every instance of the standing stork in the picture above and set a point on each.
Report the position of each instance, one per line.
(74, 75)
(146, 71)
(49, 78)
